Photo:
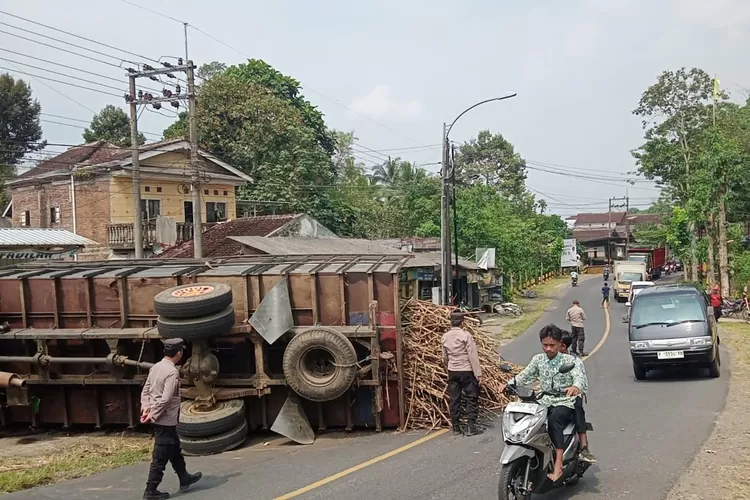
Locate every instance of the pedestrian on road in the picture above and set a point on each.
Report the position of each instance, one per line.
(576, 316)
(464, 374)
(716, 301)
(160, 405)
(605, 295)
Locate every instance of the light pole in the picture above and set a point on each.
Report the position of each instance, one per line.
(446, 274)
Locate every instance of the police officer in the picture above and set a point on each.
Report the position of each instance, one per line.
(160, 405)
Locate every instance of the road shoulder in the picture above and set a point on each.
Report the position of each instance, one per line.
(717, 471)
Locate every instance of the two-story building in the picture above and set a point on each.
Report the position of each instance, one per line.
(604, 235)
(88, 190)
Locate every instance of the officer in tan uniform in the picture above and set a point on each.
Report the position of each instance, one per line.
(160, 405)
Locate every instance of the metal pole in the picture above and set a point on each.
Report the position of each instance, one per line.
(137, 220)
(459, 294)
(194, 165)
(609, 234)
(446, 274)
(627, 223)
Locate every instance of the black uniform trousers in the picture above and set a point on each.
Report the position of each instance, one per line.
(166, 449)
(579, 338)
(580, 416)
(558, 418)
(458, 384)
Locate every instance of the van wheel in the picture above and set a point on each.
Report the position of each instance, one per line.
(639, 372)
(714, 369)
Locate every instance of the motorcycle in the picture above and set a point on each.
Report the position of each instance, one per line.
(574, 281)
(529, 454)
(739, 307)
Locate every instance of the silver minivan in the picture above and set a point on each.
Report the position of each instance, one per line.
(673, 325)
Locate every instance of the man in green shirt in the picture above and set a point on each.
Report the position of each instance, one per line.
(544, 368)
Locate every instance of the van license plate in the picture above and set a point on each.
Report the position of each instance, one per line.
(670, 355)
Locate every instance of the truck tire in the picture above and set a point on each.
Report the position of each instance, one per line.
(320, 364)
(223, 416)
(193, 301)
(218, 443)
(197, 328)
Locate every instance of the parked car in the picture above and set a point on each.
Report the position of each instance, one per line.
(673, 325)
(635, 289)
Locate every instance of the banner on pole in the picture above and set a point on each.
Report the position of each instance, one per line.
(569, 257)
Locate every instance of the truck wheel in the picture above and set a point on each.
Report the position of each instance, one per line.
(193, 301)
(197, 328)
(320, 364)
(223, 416)
(218, 443)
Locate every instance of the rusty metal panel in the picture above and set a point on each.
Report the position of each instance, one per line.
(239, 293)
(114, 405)
(358, 301)
(10, 302)
(328, 300)
(106, 302)
(72, 301)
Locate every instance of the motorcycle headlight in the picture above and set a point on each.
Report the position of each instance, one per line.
(516, 427)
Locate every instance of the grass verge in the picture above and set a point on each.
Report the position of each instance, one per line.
(69, 458)
(719, 469)
(533, 309)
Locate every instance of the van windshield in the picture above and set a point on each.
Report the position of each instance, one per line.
(630, 277)
(667, 316)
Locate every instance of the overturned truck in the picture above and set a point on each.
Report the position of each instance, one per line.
(285, 343)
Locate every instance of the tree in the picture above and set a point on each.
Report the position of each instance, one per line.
(675, 110)
(111, 124)
(490, 160)
(20, 129)
(209, 70)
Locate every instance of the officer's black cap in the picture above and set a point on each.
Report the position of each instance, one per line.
(173, 346)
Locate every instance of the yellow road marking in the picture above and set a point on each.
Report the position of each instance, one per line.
(604, 337)
(361, 466)
(416, 443)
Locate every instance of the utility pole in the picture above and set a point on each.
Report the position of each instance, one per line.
(627, 224)
(195, 166)
(609, 233)
(135, 156)
(446, 273)
(137, 97)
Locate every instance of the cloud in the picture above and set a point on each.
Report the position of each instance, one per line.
(380, 103)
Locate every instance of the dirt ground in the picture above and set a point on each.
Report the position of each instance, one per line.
(720, 470)
(507, 328)
(35, 459)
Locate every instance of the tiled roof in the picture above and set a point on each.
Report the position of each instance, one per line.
(586, 235)
(146, 147)
(316, 246)
(645, 218)
(617, 217)
(92, 153)
(216, 242)
(38, 237)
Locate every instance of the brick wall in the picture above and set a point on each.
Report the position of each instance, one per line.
(93, 200)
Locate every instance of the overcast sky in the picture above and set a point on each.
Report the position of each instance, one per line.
(394, 71)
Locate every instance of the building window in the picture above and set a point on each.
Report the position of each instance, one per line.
(216, 212)
(205, 191)
(216, 192)
(150, 209)
(25, 218)
(147, 189)
(226, 193)
(158, 189)
(54, 215)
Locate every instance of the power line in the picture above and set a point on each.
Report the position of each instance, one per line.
(62, 49)
(78, 36)
(61, 74)
(68, 83)
(248, 57)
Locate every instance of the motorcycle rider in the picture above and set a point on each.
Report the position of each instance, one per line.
(580, 418)
(574, 276)
(606, 272)
(544, 367)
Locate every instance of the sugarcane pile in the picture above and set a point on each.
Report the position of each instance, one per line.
(425, 376)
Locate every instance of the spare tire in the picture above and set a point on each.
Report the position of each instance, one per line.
(320, 364)
(196, 328)
(218, 443)
(193, 300)
(223, 416)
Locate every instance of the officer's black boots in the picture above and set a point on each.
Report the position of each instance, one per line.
(188, 480)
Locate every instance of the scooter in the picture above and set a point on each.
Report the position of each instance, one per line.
(529, 454)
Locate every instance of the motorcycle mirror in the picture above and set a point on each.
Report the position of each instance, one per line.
(566, 367)
(627, 304)
(506, 367)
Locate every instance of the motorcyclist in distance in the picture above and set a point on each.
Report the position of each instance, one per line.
(565, 387)
(574, 275)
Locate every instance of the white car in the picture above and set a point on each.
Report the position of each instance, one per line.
(635, 289)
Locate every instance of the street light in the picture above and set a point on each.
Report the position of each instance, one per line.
(446, 275)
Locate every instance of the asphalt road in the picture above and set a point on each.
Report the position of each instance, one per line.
(645, 434)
